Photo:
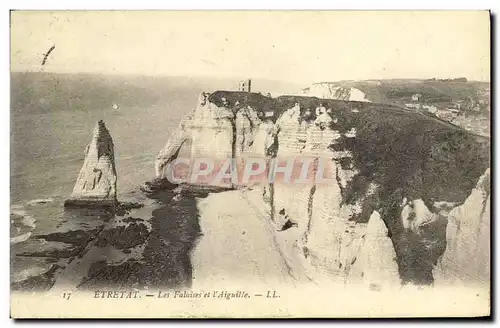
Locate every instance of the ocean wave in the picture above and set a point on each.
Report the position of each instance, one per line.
(25, 218)
(24, 224)
(40, 201)
(20, 238)
(27, 273)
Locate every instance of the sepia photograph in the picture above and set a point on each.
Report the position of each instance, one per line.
(250, 164)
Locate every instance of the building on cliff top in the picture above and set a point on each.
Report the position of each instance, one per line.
(245, 85)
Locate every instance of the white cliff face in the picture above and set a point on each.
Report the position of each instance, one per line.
(185, 132)
(375, 263)
(332, 91)
(331, 240)
(289, 124)
(323, 236)
(288, 198)
(212, 132)
(247, 124)
(260, 140)
(466, 259)
(334, 243)
(178, 138)
(96, 182)
(209, 130)
(324, 224)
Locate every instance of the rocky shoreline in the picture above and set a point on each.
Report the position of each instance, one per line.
(153, 240)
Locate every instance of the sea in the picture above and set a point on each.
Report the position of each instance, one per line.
(51, 122)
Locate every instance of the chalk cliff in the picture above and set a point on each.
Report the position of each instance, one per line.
(466, 259)
(96, 183)
(392, 175)
(375, 263)
(328, 90)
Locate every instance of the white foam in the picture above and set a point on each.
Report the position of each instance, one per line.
(27, 220)
(27, 273)
(41, 201)
(20, 238)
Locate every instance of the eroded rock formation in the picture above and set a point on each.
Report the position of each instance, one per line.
(96, 183)
(466, 259)
(392, 169)
(177, 139)
(375, 263)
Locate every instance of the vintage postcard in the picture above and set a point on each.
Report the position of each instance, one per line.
(250, 164)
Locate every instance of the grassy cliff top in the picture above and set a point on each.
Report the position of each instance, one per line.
(442, 94)
(238, 99)
(406, 152)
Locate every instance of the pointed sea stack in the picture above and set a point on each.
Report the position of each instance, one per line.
(96, 183)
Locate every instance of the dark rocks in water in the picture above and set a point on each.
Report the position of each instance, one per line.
(54, 254)
(96, 183)
(131, 219)
(92, 203)
(124, 237)
(42, 282)
(101, 274)
(87, 215)
(77, 239)
(165, 262)
(157, 184)
(202, 191)
(123, 208)
(74, 237)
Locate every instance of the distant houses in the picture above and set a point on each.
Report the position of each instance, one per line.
(458, 79)
(430, 108)
(443, 113)
(416, 97)
(412, 105)
(447, 113)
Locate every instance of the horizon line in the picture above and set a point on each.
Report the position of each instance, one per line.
(17, 70)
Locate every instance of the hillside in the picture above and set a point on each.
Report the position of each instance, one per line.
(466, 104)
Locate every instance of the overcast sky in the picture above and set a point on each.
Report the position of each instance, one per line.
(300, 46)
